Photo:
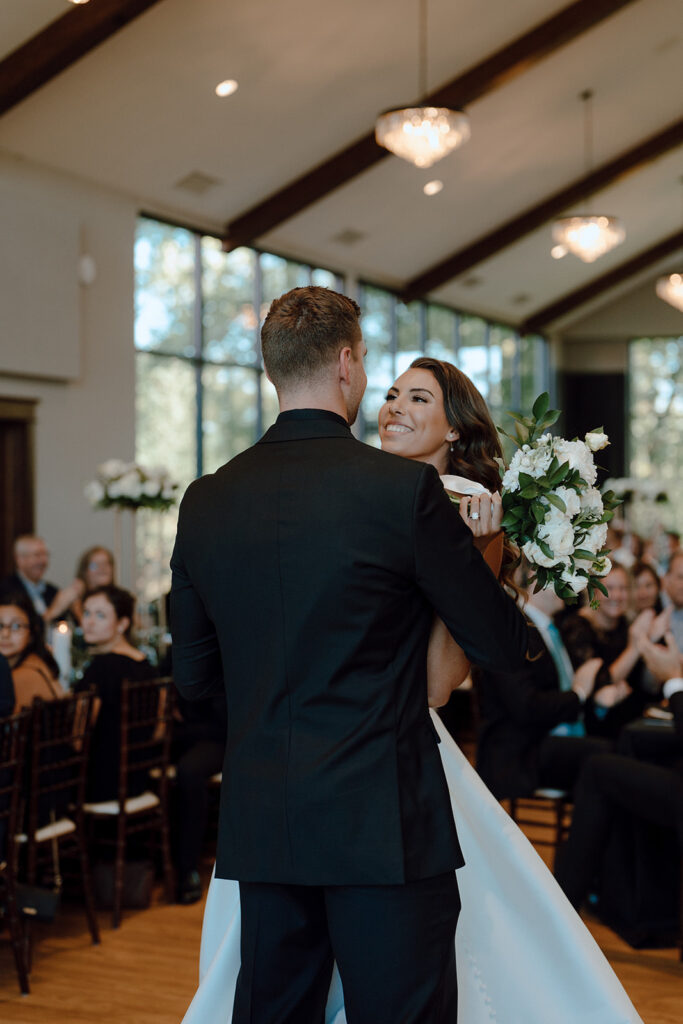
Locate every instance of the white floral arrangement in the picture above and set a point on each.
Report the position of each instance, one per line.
(128, 485)
(552, 510)
(631, 487)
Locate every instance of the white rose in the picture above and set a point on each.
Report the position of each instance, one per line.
(596, 439)
(168, 491)
(150, 488)
(112, 468)
(606, 567)
(579, 457)
(571, 499)
(130, 485)
(536, 556)
(591, 500)
(595, 537)
(558, 532)
(94, 492)
(511, 479)
(573, 580)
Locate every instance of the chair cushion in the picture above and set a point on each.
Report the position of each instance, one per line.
(133, 805)
(52, 831)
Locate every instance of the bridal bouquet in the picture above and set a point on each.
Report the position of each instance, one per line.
(128, 485)
(552, 510)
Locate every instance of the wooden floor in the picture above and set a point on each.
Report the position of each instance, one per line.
(146, 972)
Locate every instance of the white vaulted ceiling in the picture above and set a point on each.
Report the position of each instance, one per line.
(138, 114)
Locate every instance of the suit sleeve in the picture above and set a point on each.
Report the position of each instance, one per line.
(459, 585)
(524, 694)
(197, 666)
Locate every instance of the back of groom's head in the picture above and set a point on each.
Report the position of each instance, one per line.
(304, 332)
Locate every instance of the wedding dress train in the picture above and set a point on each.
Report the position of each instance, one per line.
(523, 954)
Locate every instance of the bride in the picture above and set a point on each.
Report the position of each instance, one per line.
(522, 952)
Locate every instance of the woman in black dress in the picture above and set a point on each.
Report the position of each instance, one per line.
(107, 617)
(605, 633)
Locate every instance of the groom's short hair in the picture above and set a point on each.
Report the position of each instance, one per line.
(304, 332)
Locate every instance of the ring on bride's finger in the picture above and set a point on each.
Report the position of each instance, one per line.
(474, 515)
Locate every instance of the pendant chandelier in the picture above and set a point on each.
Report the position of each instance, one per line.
(422, 134)
(588, 235)
(670, 286)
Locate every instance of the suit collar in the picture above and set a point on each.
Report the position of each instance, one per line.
(304, 424)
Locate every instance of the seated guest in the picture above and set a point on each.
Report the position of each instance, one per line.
(528, 735)
(107, 616)
(604, 632)
(34, 670)
(646, 588)
(612, 784)
(672, 596)
(31, 558)
(95, 569)
(6, 688)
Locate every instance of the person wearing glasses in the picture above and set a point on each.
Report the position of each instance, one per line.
(34, 670)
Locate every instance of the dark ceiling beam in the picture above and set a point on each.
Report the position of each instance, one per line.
(514, 230)
(498, 69)
(580, 296)
(61, 43)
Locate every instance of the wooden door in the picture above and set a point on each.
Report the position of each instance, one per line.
(17, 416)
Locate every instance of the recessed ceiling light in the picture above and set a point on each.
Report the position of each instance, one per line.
(558, 252)
(78, 1)
(227, 88)
(432, 188)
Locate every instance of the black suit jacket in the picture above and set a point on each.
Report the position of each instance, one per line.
(14, 582)
(305, 577)
(516, 712)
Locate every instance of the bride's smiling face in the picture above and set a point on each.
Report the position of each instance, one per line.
(412, 421)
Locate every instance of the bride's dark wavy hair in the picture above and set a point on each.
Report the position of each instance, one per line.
(474, 453)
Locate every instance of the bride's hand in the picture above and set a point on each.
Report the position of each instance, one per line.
(483, 514)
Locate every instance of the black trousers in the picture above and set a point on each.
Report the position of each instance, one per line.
(611, 783)
(394, 946)
(560, 758)
(194, 767)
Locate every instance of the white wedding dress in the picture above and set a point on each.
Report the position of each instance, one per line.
(523, 954)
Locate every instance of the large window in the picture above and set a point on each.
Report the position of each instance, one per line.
(202, 395)
(656, 426)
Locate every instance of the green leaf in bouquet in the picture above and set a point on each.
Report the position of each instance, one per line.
(606, 516)
(518, 418)
(525, 479)
(558, 474)
(515, 440)
(555, 500)
(584, 554)
(546, 549)
(509, 521)
(531, 491)
(599, 585)
(540, 406)
(552, 416)
(537, 511)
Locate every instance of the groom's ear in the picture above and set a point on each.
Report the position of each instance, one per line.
(345, 357)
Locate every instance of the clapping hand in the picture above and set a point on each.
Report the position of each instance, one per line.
(583, 682)
(640, 628)
(664, 661)
(612, 694)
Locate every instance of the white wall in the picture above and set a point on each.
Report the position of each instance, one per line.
(84, 420)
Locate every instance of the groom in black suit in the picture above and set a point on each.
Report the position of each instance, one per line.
(306, 576)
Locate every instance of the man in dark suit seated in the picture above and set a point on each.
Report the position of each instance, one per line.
(530, 721)
(612, 785)
(31, 559)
